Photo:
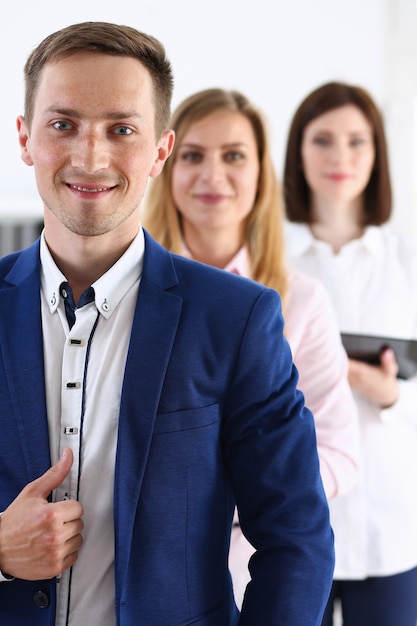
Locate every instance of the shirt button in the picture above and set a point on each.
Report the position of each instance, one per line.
(41, 599)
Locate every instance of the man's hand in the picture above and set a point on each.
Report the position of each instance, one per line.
(377, 382)
(40, 539)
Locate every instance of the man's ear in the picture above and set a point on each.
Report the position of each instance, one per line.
(23, 132)
(164, 149)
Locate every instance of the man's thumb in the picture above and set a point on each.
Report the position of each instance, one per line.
(52, 478)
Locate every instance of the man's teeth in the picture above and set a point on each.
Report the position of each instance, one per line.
(97, 189)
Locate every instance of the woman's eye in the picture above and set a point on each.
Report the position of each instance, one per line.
(357, 142)
(321, 141)
(234, 156)
(193, 157)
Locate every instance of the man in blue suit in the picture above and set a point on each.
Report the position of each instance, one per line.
(142, 395)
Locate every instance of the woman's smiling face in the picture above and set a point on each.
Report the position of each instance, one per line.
(215, 174)
(338, 154)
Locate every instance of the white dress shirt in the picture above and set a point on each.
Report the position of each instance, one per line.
(84, 370)
(372, 282)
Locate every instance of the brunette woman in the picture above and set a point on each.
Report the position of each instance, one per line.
(338, 203)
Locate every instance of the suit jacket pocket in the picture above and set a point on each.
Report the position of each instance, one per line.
(187, 419)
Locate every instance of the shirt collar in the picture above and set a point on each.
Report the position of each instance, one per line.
(372, 239)
(109, 288)
(299, 240)
(239, 264)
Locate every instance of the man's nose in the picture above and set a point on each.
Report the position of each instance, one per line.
(90, 153)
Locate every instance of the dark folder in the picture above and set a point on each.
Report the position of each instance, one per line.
(369, 347)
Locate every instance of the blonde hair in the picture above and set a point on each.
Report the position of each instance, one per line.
(263, 232)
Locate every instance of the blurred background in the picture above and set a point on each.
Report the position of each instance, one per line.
(275, 51)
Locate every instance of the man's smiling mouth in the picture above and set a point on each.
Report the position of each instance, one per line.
(90, 189)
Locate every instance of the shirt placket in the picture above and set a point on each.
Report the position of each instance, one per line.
(73, 382)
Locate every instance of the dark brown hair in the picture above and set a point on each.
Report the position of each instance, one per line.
(105, 38)
(377, 195)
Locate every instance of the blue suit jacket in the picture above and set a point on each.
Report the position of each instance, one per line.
(209, 413)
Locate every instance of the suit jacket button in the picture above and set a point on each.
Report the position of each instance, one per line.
(41, 599)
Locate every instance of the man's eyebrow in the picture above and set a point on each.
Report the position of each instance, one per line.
(110, 115)
(231, 144)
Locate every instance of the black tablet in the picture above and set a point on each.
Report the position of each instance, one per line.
(368, 348)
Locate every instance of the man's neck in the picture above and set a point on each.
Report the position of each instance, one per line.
(83, 260)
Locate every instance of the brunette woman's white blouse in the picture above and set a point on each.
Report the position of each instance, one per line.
(372, 282)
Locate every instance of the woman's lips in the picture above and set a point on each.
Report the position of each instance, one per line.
(210, 198)
(338, 176)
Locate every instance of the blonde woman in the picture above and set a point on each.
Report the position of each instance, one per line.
(218, 201)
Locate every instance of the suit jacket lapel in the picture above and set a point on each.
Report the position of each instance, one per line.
(153, 332)
(22, 351)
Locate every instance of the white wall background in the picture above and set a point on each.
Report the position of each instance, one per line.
(275, 51)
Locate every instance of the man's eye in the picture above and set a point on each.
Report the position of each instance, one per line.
(62, 125)
(123, 130)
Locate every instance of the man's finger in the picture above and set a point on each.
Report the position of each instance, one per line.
(49, 481)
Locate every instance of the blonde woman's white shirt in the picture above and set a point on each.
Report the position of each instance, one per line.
(372, 283)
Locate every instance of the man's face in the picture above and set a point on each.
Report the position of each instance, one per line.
(92, 142)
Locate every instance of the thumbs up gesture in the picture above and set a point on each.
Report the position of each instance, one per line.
(41, 539)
